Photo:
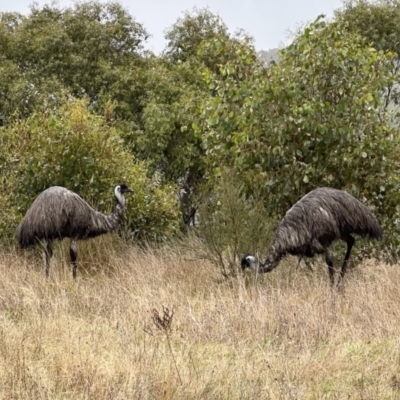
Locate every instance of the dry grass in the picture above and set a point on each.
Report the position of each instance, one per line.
(281, 336)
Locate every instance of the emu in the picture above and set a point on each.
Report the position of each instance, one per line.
(310, 227)
(58, 213)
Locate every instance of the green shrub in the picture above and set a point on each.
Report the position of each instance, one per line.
(231, 225)
(71, 147)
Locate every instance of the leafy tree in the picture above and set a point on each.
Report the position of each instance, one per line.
(91, 49)
(22, 91)
(74, 148)
(203, 36)
(312, 120)
(378, 22)
(174, 92)
(163, 135)
(23, 94)
(188, 33)
(79, 45)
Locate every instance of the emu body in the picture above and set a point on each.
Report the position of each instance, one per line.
(59, 213)
(310, 227)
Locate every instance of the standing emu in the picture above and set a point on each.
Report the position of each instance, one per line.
(313, 224)
(58, 213)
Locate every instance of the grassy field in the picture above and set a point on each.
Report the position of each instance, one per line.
(165, 325)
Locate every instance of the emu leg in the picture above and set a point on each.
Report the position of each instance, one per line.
(73, 252)
(308, 265)
(49, 253)
(350, 243)
(331, 270)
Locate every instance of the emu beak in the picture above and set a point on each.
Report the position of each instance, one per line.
(244, 263)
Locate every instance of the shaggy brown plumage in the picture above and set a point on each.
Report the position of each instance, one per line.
(313, 224)
(58, 213)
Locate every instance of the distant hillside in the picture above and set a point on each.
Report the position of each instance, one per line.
(268, 55)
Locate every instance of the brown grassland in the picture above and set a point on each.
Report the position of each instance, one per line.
(284, 335)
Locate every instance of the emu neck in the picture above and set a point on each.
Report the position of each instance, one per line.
(271, 262)
(118, 213)
(120, 198)
(101, 224)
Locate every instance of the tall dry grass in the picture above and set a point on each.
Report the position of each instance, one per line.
(284, 335)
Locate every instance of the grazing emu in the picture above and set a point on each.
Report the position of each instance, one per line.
(313, 224)
(58, 213)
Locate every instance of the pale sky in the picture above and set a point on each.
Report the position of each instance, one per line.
(268, 21)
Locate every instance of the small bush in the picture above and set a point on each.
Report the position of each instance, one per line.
(71, 147)
(231, 224)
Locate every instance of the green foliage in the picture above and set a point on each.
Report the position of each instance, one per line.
(91, 49)
(312, 120)
(175, 91)
(79, 44)
(232, 225)
(163, 134)
(21, 94)
(73, 148)
(174, 94)
(378, 22)
(188, 33)
(202, 36)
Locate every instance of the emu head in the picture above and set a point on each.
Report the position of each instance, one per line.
(249, 261)
(120, 191)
